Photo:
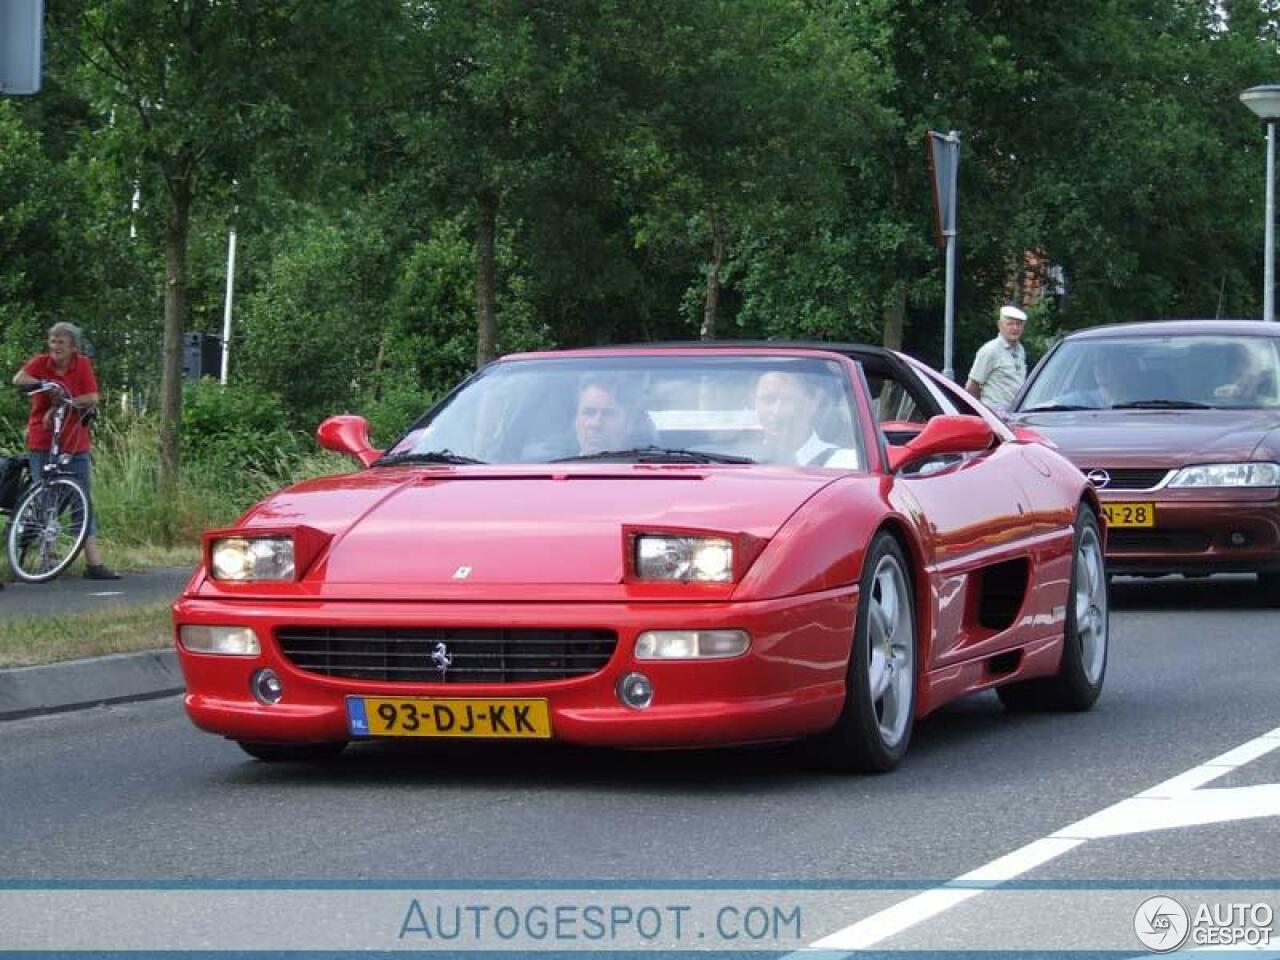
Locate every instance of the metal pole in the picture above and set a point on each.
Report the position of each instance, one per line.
(1269, 268)
(226, 310)
(949, 316)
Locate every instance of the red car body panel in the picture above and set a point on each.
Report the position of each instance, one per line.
(543, 547)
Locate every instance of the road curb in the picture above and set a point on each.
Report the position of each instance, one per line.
(26, 691)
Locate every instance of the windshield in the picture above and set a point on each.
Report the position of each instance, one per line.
(1173, 372)
(669, 408)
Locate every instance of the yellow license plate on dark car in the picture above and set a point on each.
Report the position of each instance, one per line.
(1130, 514)
(448, 717)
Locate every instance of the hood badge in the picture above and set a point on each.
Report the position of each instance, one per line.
(1099, 478)
(443, 660)
(462, 573)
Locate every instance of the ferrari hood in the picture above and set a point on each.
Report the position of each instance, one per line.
(1154, 438)
(468, 528)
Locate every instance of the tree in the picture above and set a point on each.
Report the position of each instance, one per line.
(189, 93)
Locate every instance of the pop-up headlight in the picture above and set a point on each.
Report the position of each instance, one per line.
(684, 558)
(252, 558)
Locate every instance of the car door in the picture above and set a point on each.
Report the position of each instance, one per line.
(981, 534)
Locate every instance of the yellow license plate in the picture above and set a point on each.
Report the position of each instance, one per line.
(1130, 514)
(436, 717)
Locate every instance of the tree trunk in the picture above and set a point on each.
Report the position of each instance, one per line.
(895, 317)
(486, 282)
(175, 315)
(378, 361)
(712, 302)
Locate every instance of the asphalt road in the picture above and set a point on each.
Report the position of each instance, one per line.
(72, 593)
(135, 793)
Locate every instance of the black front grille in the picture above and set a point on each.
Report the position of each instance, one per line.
(1130, 478)
(414, 655)
(1154, 541)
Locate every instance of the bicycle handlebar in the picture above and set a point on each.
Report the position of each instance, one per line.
(46, 386)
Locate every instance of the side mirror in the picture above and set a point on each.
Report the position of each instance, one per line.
(348, 434)
(952, 433)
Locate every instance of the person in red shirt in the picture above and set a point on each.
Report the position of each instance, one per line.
(68, 366)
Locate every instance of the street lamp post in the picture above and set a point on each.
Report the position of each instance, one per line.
(1265, 102)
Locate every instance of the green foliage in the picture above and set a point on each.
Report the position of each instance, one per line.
(235, 429)
(238, 454)
(636, 152)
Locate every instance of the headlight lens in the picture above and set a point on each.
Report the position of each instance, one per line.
(691, 644)
(1228, 475)
(227, 641)
(258, 558)
(699, 559)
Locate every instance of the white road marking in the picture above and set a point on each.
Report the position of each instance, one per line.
(107, 593)
(1177, 802)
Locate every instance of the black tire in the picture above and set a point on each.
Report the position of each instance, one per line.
(48, 529)
(872, 734)
(292, 752)
(1086, 633)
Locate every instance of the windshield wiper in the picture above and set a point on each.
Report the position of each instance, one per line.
(1161, 405)
(430, 456)
(658, 455)
(1054, 407)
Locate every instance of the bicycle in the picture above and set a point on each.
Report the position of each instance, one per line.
(50, 522)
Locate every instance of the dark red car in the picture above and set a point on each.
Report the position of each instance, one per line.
(1177, 425)
(656, 547)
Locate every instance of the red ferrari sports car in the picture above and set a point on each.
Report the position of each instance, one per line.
(658, 546)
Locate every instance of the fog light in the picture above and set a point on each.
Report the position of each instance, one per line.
(635, 690)
(225, 641)
(1238, 539)
(691, 644)
(266, 686)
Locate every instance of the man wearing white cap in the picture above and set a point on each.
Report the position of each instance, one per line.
(1001, 364)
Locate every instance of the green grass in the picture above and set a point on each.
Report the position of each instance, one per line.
(50, 638)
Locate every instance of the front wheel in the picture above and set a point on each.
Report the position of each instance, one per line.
(875, 724)
(48, 529)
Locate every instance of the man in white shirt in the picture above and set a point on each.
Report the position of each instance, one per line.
(787, 405)
(1000, 366)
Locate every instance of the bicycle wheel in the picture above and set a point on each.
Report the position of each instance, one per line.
(48, 529)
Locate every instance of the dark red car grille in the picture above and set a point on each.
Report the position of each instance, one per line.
(409, 655)
(1129, 478)
(1151, 541)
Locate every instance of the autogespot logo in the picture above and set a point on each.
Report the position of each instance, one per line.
(1162, 924)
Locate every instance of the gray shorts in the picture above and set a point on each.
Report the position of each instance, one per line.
(79, 468)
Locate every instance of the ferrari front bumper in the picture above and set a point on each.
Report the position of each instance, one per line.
(790, 683)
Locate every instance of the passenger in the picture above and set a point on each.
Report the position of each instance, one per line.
(601, 421)
(787, 405)
(1242, 380)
